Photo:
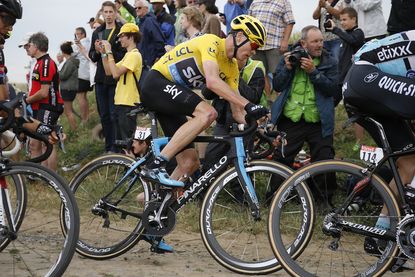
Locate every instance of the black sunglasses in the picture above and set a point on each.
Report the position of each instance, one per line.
(8, 19)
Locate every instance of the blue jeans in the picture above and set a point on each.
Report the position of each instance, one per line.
(104, 95)
(333, 46)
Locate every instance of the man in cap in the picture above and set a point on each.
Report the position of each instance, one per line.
(165, 20)
(25, 44)
(152, 44)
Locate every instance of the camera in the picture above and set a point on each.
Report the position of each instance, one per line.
(296, 55)
(327, 24)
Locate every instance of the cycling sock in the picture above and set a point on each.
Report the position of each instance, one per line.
(159, 161)
(383, 222)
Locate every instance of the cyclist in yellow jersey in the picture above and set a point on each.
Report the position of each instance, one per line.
(205, 60)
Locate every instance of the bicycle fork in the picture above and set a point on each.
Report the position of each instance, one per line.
(246, 180)
(5, 212)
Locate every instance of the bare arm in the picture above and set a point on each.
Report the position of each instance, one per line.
(317, 11)
(42, 93)
(4, 95)
(114, 70)
(285, 38)
(218, 86)
(332, 10)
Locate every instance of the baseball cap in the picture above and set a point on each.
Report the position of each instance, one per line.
(92, 19)
(25, 39)
(157, 1)
(129, 28)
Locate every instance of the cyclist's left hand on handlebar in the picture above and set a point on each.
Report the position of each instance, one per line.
(255, 111)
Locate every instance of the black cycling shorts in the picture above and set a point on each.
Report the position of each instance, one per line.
(171, 102)
(46, 116)
(388, 98)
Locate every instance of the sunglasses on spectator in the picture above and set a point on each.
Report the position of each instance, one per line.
(138, 8)
(7, 19)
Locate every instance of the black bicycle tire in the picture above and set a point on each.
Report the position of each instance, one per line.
(213, 247)
(21, 197)
(92, 251)
(287, 261)
(58, 184)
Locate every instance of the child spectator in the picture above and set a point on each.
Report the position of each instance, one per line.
(352, 39)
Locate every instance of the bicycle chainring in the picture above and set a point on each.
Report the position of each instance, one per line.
(405, 236)
(160, 227)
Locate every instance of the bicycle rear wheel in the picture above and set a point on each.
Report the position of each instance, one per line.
(229, 231)
(107, 232)
(324, 255)
(40, 249)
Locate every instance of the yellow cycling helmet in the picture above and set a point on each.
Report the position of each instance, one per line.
(252, 28)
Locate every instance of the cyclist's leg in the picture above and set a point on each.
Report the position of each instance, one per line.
(187, 163)
(203, 116)
(173, 102)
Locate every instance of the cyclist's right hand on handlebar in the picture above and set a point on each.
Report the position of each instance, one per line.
(255, 111)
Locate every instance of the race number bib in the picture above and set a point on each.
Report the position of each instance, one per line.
(371, 154)
(142, 133)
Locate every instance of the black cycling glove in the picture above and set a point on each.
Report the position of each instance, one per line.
(43, 129)
(255, 111)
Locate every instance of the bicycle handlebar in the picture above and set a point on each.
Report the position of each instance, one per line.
(19, 103)
(42, 138)
(251, 127)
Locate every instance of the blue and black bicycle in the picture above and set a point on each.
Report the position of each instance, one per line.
(118, 207)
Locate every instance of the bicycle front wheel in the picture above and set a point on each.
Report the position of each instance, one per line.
(16, 194)
(40, 248)
(347, 249)
(229, 231)
(109, 210)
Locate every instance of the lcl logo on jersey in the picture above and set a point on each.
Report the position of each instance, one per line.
(371, 77)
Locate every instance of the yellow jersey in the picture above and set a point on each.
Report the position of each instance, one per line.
(126, 92)
(184, 63)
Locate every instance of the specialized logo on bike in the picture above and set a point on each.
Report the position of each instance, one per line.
(400, 50)
(371, 77)
(173, 91)
(187, 73)
(396, 86)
